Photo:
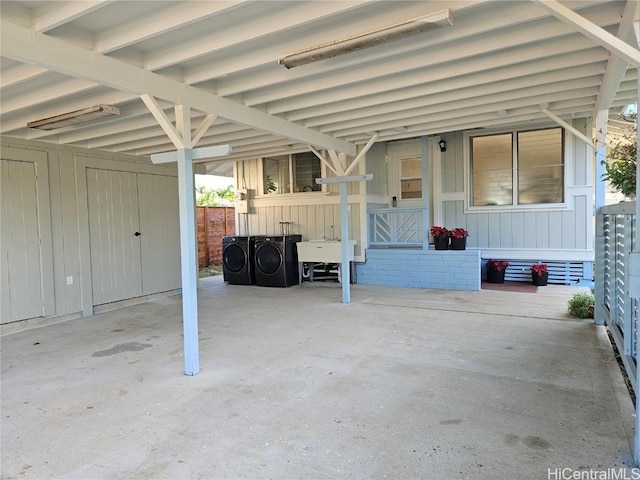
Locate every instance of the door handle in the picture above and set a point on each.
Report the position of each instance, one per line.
(137, 234)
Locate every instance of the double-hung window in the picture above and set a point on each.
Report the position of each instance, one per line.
(517, 168)
(291, 173)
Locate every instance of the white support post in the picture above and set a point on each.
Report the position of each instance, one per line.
(344, 235)
(602, 117)
(342, 160)
(180, 135)
(344, 227)
(426, 190)
(188, 258)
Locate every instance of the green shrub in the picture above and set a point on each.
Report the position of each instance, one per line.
(581, 305)
(620, 165)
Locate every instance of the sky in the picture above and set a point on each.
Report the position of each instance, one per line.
(213, 181)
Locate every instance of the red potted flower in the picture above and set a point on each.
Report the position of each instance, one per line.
(458, 238)
(539, 274)
(440, 237)
(496, 270)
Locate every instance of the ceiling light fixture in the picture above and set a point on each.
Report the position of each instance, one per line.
(369, 39)
(84, 115)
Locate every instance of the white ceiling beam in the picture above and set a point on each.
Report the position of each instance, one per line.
(134, 123)
(152, 138)
(483, 83)
(25, 45)
(18, 122)
(135, 137)
(264, 53)
(428, 126)
(528, 71)
(133, 116)
(260, 89)
(480, 67)
(481, 112)
(616, 46)
(441, 111)
(373, 79)
(20, 74)
(54, 91)
(443, 103)
(164, 20)
(616, 66)
(54, 14)
(297, 14)
(140, 129)
(148, 137)
(507, 100)
(509, 90)
(276, 146)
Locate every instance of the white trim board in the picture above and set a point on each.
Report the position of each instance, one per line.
(538, 254)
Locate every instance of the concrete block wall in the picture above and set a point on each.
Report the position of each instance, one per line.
(438, 269)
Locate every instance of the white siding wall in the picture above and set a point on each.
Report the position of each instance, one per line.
(311, 214)
(565, 234)
(64, 204)
(26, 288)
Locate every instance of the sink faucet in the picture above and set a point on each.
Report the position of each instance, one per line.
(331, 228)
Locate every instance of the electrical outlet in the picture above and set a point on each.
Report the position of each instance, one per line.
(70, 280)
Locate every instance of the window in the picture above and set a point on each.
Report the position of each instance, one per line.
(303, 168)
(518, 168)
(410, 178)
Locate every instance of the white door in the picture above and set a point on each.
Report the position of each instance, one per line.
(405, 176)
(114, 235)
(160, 233)
(22, 288)
(405, 163)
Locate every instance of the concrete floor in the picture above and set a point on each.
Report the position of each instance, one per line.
(401, 383)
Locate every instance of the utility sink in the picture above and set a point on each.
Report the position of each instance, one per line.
(323, 251)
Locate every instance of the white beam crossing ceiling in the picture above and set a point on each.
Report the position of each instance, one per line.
(493, 67)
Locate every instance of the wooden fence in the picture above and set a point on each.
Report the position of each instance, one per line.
(213, 224)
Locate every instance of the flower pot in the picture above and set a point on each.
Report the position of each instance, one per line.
(494, 275)
(458, 243)
(441, 243)
(539, 280)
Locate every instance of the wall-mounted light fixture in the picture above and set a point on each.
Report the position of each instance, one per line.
(443, 145)
(84, 115)
(369, 39)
